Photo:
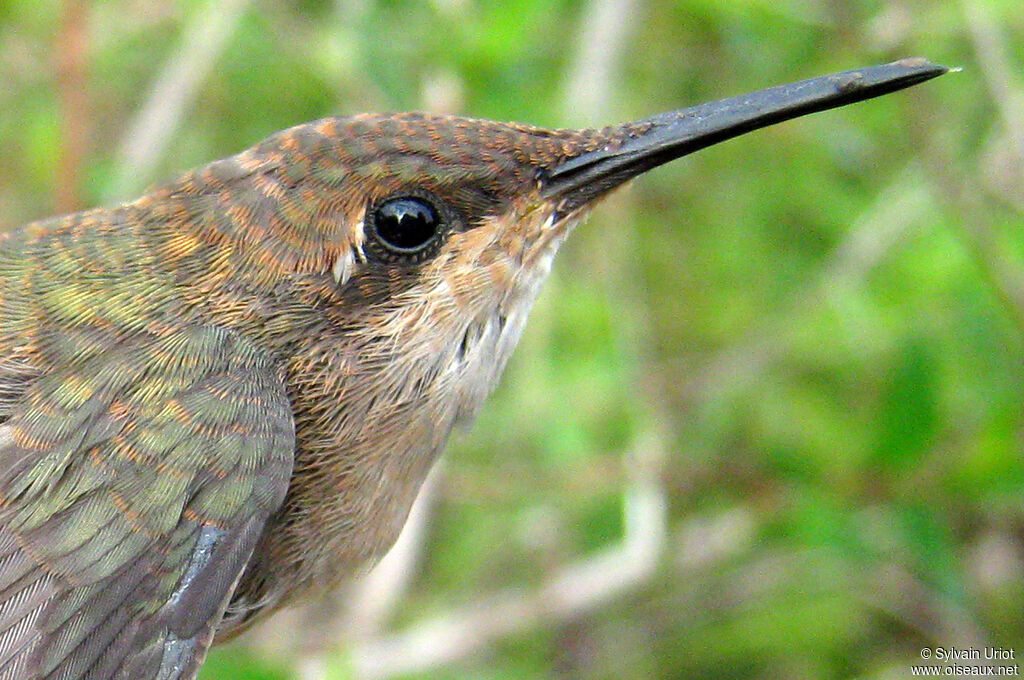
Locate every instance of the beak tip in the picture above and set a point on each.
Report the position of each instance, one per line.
(925, 67)
(887, 77)
(921, 64)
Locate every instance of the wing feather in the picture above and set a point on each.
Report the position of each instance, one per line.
(133, 488)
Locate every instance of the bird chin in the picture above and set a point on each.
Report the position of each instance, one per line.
(488, 343)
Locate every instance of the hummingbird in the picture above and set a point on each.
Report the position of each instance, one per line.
(226, 394)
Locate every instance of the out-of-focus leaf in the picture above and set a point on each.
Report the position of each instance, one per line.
(908, 416)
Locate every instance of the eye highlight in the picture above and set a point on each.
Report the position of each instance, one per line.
(405, 229)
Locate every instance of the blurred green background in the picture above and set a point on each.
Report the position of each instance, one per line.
(767, 419)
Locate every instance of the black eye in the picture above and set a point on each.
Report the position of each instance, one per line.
(407, 228)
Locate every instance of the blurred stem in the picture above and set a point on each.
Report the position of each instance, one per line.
(71, 58)
(964, 198)
(992, 52)
(606, 24)
(179, 81)
(963, 194)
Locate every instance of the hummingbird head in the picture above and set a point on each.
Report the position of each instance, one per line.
(434, 233)
(390, 261)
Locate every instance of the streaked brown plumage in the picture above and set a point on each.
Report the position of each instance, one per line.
(228, 392)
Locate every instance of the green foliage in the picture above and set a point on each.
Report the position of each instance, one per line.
(234, 663)
(823, 320)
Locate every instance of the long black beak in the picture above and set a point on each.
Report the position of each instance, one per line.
(653, 141)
